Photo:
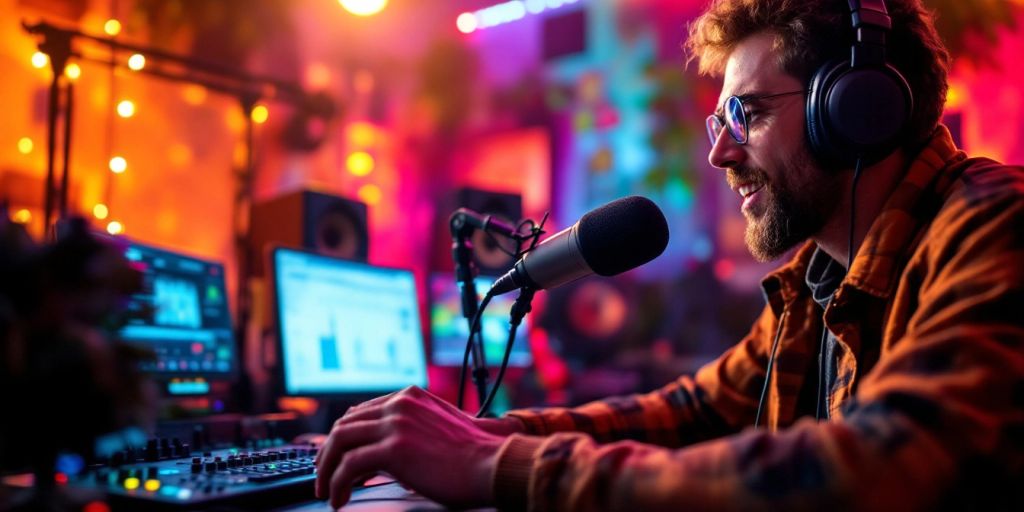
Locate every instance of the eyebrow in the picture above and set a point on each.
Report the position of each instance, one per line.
(747, 96)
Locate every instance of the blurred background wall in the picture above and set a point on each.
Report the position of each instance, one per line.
(565, 103)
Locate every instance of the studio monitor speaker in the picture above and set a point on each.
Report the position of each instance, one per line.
(489, 252)
(325, 223)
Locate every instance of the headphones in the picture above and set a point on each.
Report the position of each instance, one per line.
(858, 108)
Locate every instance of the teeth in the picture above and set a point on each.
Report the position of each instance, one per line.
(746, 190)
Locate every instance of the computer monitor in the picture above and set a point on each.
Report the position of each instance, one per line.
(346, 329)
(182, 316)
(449, 329)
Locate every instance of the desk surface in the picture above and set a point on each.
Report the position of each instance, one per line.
(390, 497)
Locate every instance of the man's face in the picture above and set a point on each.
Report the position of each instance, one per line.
(786, 197)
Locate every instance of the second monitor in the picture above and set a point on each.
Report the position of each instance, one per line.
(449, 329)
(346, 328)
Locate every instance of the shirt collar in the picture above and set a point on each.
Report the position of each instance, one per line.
(877, 263)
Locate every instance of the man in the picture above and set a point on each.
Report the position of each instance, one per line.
(895, 381)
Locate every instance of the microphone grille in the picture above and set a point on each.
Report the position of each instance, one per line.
(622, 235)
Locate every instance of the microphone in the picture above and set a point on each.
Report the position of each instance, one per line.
(465, 220)
(606, 241)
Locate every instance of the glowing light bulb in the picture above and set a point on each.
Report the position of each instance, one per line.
(73, 71)
(112, 27)
(363, 7)
(136, 62)
(22, 216)
(466, 22)
(39, 60)
(100, 211)
(260, 114)
(116, 228)
(126, 109)
(360, 163)
(25, 145)
(118, 165)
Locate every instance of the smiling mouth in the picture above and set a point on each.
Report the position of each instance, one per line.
(748, 190)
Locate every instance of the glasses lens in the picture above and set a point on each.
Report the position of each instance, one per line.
(736, 120)
(714, 125)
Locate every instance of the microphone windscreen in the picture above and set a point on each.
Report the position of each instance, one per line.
(622, 235)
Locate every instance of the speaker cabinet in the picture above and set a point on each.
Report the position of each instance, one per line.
(328, 224)
(489, 252)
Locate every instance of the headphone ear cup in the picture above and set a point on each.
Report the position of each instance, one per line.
(857, 112)
(818, 134)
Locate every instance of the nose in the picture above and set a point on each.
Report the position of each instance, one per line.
(726, 152)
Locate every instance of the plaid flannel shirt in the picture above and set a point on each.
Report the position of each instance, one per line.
(927, 408)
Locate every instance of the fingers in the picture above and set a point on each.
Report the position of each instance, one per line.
(356, 463)
(342, 438)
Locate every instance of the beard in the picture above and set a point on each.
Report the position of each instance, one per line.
(797, 204)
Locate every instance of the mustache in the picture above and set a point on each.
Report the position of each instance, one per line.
(736, 176)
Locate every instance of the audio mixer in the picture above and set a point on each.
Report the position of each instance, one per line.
(229, 477)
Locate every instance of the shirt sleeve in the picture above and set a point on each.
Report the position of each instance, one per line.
(720, 399)
(939, 417)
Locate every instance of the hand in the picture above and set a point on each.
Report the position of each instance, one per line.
(421, 440)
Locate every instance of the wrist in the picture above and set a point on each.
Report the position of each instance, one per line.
(505, 426)
(488, 450)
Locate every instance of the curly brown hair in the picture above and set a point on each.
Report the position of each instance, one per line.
(806, 37)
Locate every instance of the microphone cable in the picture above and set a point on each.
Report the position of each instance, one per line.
(857, 169)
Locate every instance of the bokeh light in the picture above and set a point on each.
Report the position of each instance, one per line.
(25, 145)
(360, 163)
(112, 27)
(194, 94)
(116, 228)
(260, 114)
(100, 211)
(118, 164)
(466, 22)
(136, 62)
(363, 7)
(126, 109)
(370, 194)
(39, 60)
(73, 71)
(22, 216)
(362, 134)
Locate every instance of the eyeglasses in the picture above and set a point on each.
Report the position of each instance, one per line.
(735, 117)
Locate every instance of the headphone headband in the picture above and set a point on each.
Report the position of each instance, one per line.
(871, 23)
(859, 107)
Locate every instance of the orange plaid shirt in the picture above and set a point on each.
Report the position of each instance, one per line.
(927, 407)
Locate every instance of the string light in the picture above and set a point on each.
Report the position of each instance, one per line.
(39, 60)
(100, 211)
(112, 27)
(360, 163)
(136, 62)
(116, 228)
(25, 145)
(126, 109)
(260, 114)
(73, 71)
(118, 165)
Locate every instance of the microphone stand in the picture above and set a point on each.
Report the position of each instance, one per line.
(465, 272)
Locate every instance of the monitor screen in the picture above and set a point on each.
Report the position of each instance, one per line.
(449, 329)
(346, 328)
(182, 315)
